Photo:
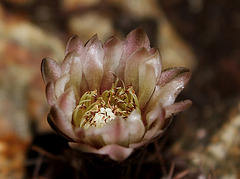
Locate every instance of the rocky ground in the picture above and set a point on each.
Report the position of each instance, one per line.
(202, 142)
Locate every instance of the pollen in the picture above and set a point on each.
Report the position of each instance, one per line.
(97, 110)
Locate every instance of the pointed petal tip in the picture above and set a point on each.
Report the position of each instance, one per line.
(74, 43)
(177, 107)
(50, 70)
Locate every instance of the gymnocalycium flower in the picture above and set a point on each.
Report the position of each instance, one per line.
(112, 98)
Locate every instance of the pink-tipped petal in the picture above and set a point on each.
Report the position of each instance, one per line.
(60, 84)
(50, 94)
(131, 75)
(135, 39)
(61, 122)
(177, 107)
(92, 63)
(74, 44)
(72, 65)
(113, 52)
(167, 94)
(116, 152)
(170, 73)
(67, 103)
(135, 126)
(149, 72)
(155, 121)
(50, 70)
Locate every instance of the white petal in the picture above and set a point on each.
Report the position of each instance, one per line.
(136, 127)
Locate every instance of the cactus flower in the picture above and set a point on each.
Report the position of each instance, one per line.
(112, 98)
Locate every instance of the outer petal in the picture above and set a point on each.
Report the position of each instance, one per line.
(59, 120)
(113, 52)
(135, 126)
(149, 72)
(60, 84)
(72, 65)
(155, 121)
(74, 44)
(67, 103)
(170, 73)
(177, 107)
(115, 152)
(136, 39)
(131, 75)
(50, 94)
(115, 132)
(167, 94)
(50, 70)
(92, 63)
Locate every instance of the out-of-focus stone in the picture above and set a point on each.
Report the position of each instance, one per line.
(88, 24)
(12, 156)
(19, 2)
(22, 96)
(69, 5)
(174, 50)
(139, 8)
(222, 153)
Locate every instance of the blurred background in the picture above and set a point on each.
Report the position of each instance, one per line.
(202, 35)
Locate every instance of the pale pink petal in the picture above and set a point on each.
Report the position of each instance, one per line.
(50, 70)
(72, 65)
(170, 73)
(135, 40)
(50, 94)
(135, 126)
(144, 142)
(67, 103)
(93, 63)
(131, 75)
(158, 113)
(115, 152)
(149, 72)
(67, 63)
(61, 122)
(177, 107)
(60, 84)
(113, 52)
(167, 94)
(74, 44)
(115, 132)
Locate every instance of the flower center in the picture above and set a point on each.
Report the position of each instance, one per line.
(98, 110)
